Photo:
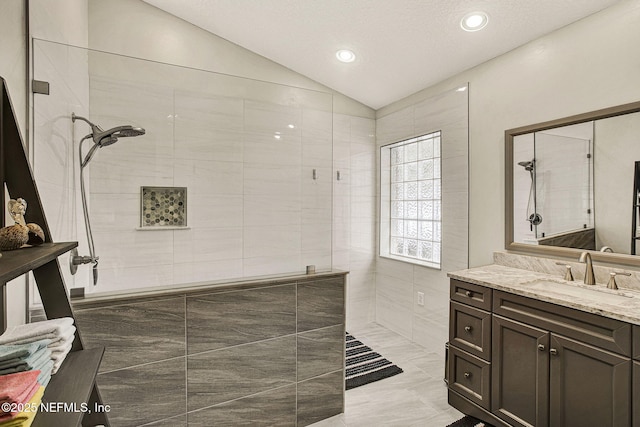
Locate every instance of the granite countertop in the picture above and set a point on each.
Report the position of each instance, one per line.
(622, 304)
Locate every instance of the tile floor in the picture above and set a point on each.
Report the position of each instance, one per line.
(417, 397)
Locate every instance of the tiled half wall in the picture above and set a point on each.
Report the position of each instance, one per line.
(259, 353)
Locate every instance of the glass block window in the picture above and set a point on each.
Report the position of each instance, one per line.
(414, 199)
(163, 207)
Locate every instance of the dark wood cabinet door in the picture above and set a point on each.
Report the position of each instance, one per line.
(520, 373)
(636, 394)
(589, 386)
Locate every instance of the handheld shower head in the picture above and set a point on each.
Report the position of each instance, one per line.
(103, 138)
(111, 136)
(527, 165)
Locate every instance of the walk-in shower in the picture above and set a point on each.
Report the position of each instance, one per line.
(101, 138)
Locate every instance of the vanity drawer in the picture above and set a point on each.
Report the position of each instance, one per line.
(470, 329)
(603, 332)
(469, 376)
(468, 293)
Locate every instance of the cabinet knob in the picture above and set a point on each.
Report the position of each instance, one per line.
(553, 351)
(540, 347)
(468, 293)
(467, 374)
(468, 329)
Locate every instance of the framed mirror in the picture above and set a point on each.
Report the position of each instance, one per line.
(573, 184)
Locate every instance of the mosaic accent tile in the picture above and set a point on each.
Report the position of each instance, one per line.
(163, 207)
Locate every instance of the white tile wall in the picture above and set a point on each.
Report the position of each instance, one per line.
(354, 211)
(397, 282)
(253, 205)
(55, 144)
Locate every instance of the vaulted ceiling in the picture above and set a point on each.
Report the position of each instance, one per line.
(401, 46)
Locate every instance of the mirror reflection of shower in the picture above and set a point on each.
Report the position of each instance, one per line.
(533, 217)
(101, 138)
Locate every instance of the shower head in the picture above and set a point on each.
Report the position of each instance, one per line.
(528, 165)
(110, 136)
(103, 138)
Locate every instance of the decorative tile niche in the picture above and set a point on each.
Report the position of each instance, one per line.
(163, 207)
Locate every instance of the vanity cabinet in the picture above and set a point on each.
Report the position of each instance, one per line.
(636, 394)
(549, 366)
(470, 342)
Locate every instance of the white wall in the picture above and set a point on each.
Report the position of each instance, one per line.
(12, 69)
(585, 66)
(397, 282)
(134, 28)
(13, 55)
(582, 67)
(354, 213)
(54, 140)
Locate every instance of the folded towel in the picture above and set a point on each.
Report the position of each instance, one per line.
(10, 354)
(14, 386)
(24, 398)
(22, 334)
(68, 336)
(29, 362)
(59, 356)
(24, 419)
(45, 373)
(61, 350)
(17, 396)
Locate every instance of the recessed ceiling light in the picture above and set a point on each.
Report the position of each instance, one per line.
(474, 21)
(345, 55)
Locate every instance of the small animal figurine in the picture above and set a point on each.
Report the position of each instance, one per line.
(20, 234)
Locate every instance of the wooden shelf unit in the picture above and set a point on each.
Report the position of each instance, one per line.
(16, 263)
(75, 382)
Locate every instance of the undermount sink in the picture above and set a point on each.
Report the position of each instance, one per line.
(598, 294)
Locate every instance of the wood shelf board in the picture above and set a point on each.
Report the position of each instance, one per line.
(20, 261)
(72, 384)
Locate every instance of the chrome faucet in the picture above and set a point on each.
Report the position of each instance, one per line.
(589, 277)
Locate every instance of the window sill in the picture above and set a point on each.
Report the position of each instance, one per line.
(413, 261)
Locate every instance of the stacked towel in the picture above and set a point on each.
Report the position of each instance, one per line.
(59, 332)
(27, 357)
(25, 418)
(20, 395)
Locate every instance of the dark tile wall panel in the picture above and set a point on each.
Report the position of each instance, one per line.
(254, 354)
(135, 334)
(146, 393)
(222, 320)
(271, 408)
(320, 398)
(222, 375)
(320, 351)
(320, 303)
(179, 421)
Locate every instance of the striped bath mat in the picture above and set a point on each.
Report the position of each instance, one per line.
(364, 366)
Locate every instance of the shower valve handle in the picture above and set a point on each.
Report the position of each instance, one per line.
(78, 260)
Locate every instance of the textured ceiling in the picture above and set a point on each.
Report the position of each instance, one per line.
(402, 46)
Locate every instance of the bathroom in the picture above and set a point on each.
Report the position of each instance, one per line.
(531, 84)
